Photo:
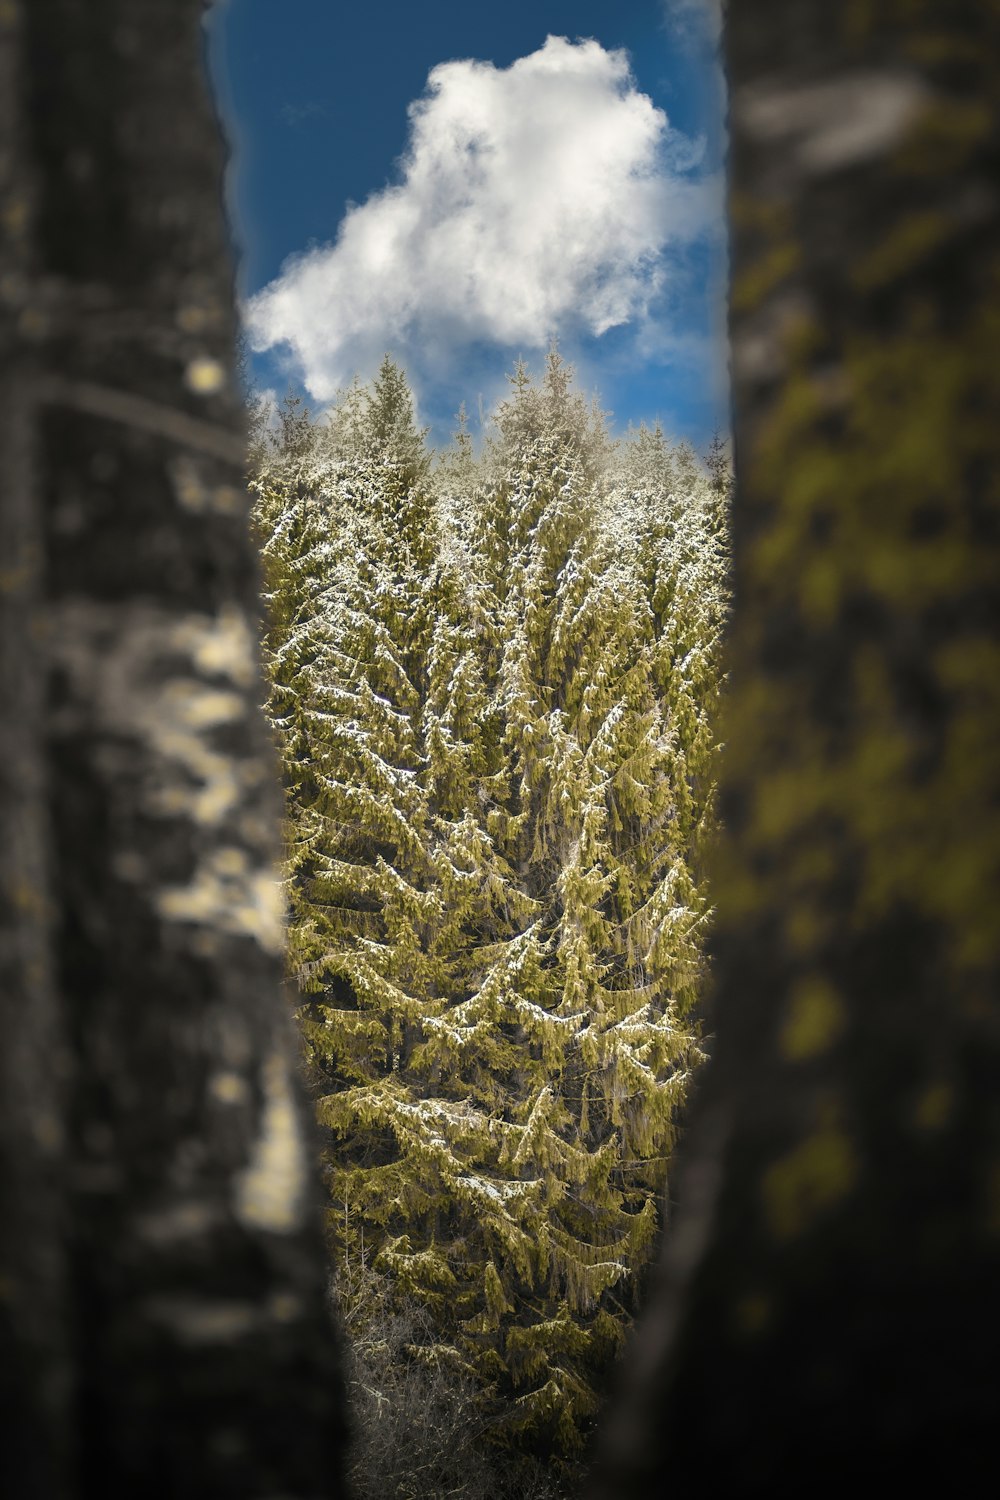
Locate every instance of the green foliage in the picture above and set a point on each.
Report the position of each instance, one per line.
(493, 689)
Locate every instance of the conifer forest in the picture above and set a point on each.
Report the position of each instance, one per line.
(498, 942)
(493, 680)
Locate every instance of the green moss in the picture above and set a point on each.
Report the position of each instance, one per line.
(816, 1017)
(776, 266)
(807, 1183)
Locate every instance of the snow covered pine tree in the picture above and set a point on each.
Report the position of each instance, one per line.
(494, 706)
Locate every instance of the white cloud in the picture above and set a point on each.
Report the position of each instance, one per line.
(534, 200)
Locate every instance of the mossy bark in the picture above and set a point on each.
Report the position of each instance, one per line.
(827, 1306)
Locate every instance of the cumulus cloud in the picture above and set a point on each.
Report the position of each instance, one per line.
(536, 200)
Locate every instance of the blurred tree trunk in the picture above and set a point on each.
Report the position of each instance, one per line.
(163, 1328)
(827, 1306)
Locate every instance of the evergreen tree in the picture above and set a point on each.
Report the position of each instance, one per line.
(595, 990)
(495, 786)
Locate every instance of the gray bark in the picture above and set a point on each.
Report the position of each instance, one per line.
(162, 1276)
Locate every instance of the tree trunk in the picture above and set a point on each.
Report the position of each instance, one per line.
(162, 1279)
(827, 1303)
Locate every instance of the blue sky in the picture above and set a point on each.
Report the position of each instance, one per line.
(457, 185)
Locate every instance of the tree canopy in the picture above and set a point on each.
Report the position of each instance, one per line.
(493, 687)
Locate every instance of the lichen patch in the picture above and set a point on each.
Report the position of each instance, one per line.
(270, 1191)
(229, 894)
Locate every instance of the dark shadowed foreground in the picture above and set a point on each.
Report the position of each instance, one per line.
(827, 1306)
(163, 1322)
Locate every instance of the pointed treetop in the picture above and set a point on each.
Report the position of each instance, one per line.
(390, 423)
